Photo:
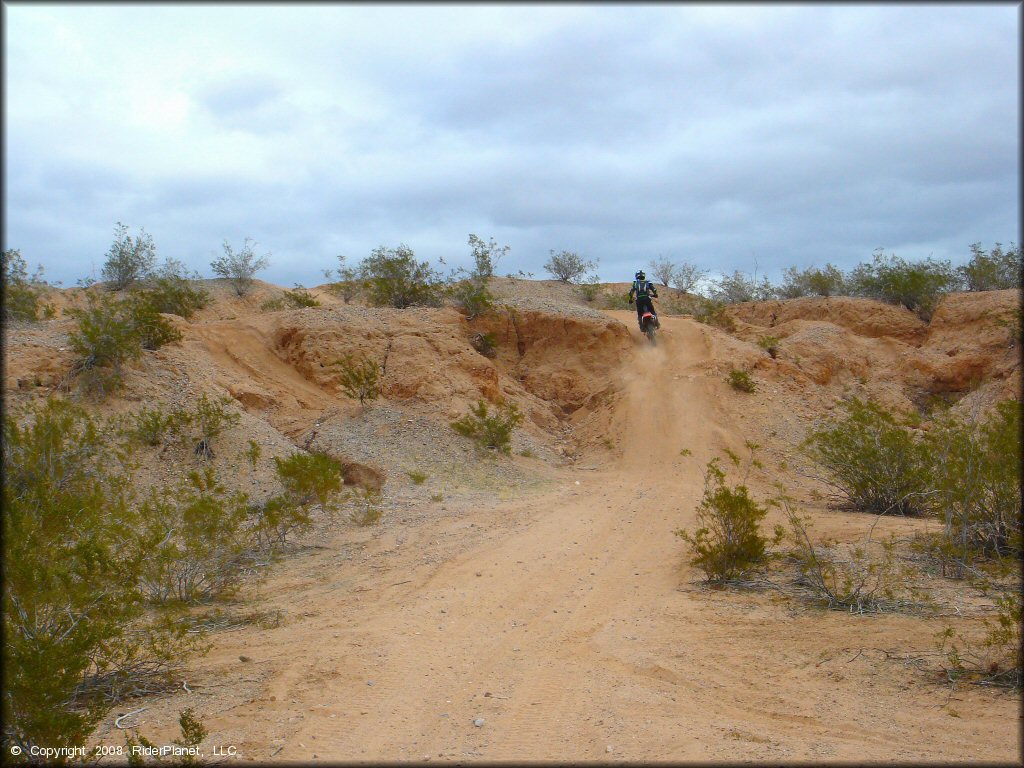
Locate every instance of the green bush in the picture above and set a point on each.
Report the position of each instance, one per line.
(740, 287)
(568, 266)
(918, 286)
(976, 476)
(490, 430)
(152, 329)
(75, 637)
(367, 509)
(486, 255)
(104, 338)
(192, 734)
(211, 417)
(240, 268)
(713, 312)
(992, 271)
(728, 542)
(170, 290)
(348, 284)
(152, 426)
(812, 282)
(193, 539)
(129, 259)
(859, 578)
(307, 479)
(21, 293)
(417, 477)
(871, 460)
(359, 379)
(392, 277)
(741, 380)
(275, 304)
(300, 298)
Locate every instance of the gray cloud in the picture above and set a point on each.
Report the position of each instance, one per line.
(726, 135)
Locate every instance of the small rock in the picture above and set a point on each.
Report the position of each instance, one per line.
(369, 682)
(478, 573)
(608, 748)
(244, 658)
(478, 722)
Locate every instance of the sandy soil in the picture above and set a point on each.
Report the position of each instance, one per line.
(560, 622)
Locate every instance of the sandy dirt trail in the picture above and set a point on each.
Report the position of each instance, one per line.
(567, 623)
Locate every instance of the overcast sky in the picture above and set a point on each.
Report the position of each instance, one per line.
(723, 135)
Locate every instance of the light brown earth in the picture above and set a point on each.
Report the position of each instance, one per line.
(547, 596)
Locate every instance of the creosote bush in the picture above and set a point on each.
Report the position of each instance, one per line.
(728, 543)
(171, 290)
(194, 539)
(871, 460)
(210, 418)
(240, 267)
(391, 277)
(992, 270)
(490, 430)
(75, 635)
(713, 312)
(359, 378)
(741, 380)
(21, 293)
(129, 259)
(309, 480)
(918, 286)
(568, 266)
(348, 284)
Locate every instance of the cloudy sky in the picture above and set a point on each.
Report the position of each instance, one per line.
(730, 136)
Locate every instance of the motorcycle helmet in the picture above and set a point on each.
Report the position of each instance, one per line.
(640, 275)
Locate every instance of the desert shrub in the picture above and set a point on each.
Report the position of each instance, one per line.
(484, 343)
(993, 270)
(417, 477)
(739, 287)
(252, 453)
(615, 300)
(275, 304)
(129, 259)
(491, 430)
(871, 460)
(299, 298)
(769, 344)
(590, 289)
(859, 578)
(21, 293)
(153, 426)
(918, 286)
(686, 277)
(359, 378)
(469, 292)
(713, 312)
(999, 658)
(568, 266)
(75, 638)
(740, 380)
(153, 330)
(192, 734)
(663, 270)
(240, 268)
(193, 539)
(392, 277)
(487, 255)
(308, 479)
(977, 480)
(728, 543)
(367, 509)
(347, 285)
(211, 418)
(105, 337)
(171, 290)
(812, 282)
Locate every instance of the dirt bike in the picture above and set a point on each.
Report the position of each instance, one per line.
(649, 324)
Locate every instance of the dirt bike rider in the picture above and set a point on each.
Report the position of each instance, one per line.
(644, 290)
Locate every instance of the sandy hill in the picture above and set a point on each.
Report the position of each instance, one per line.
(543, 592)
